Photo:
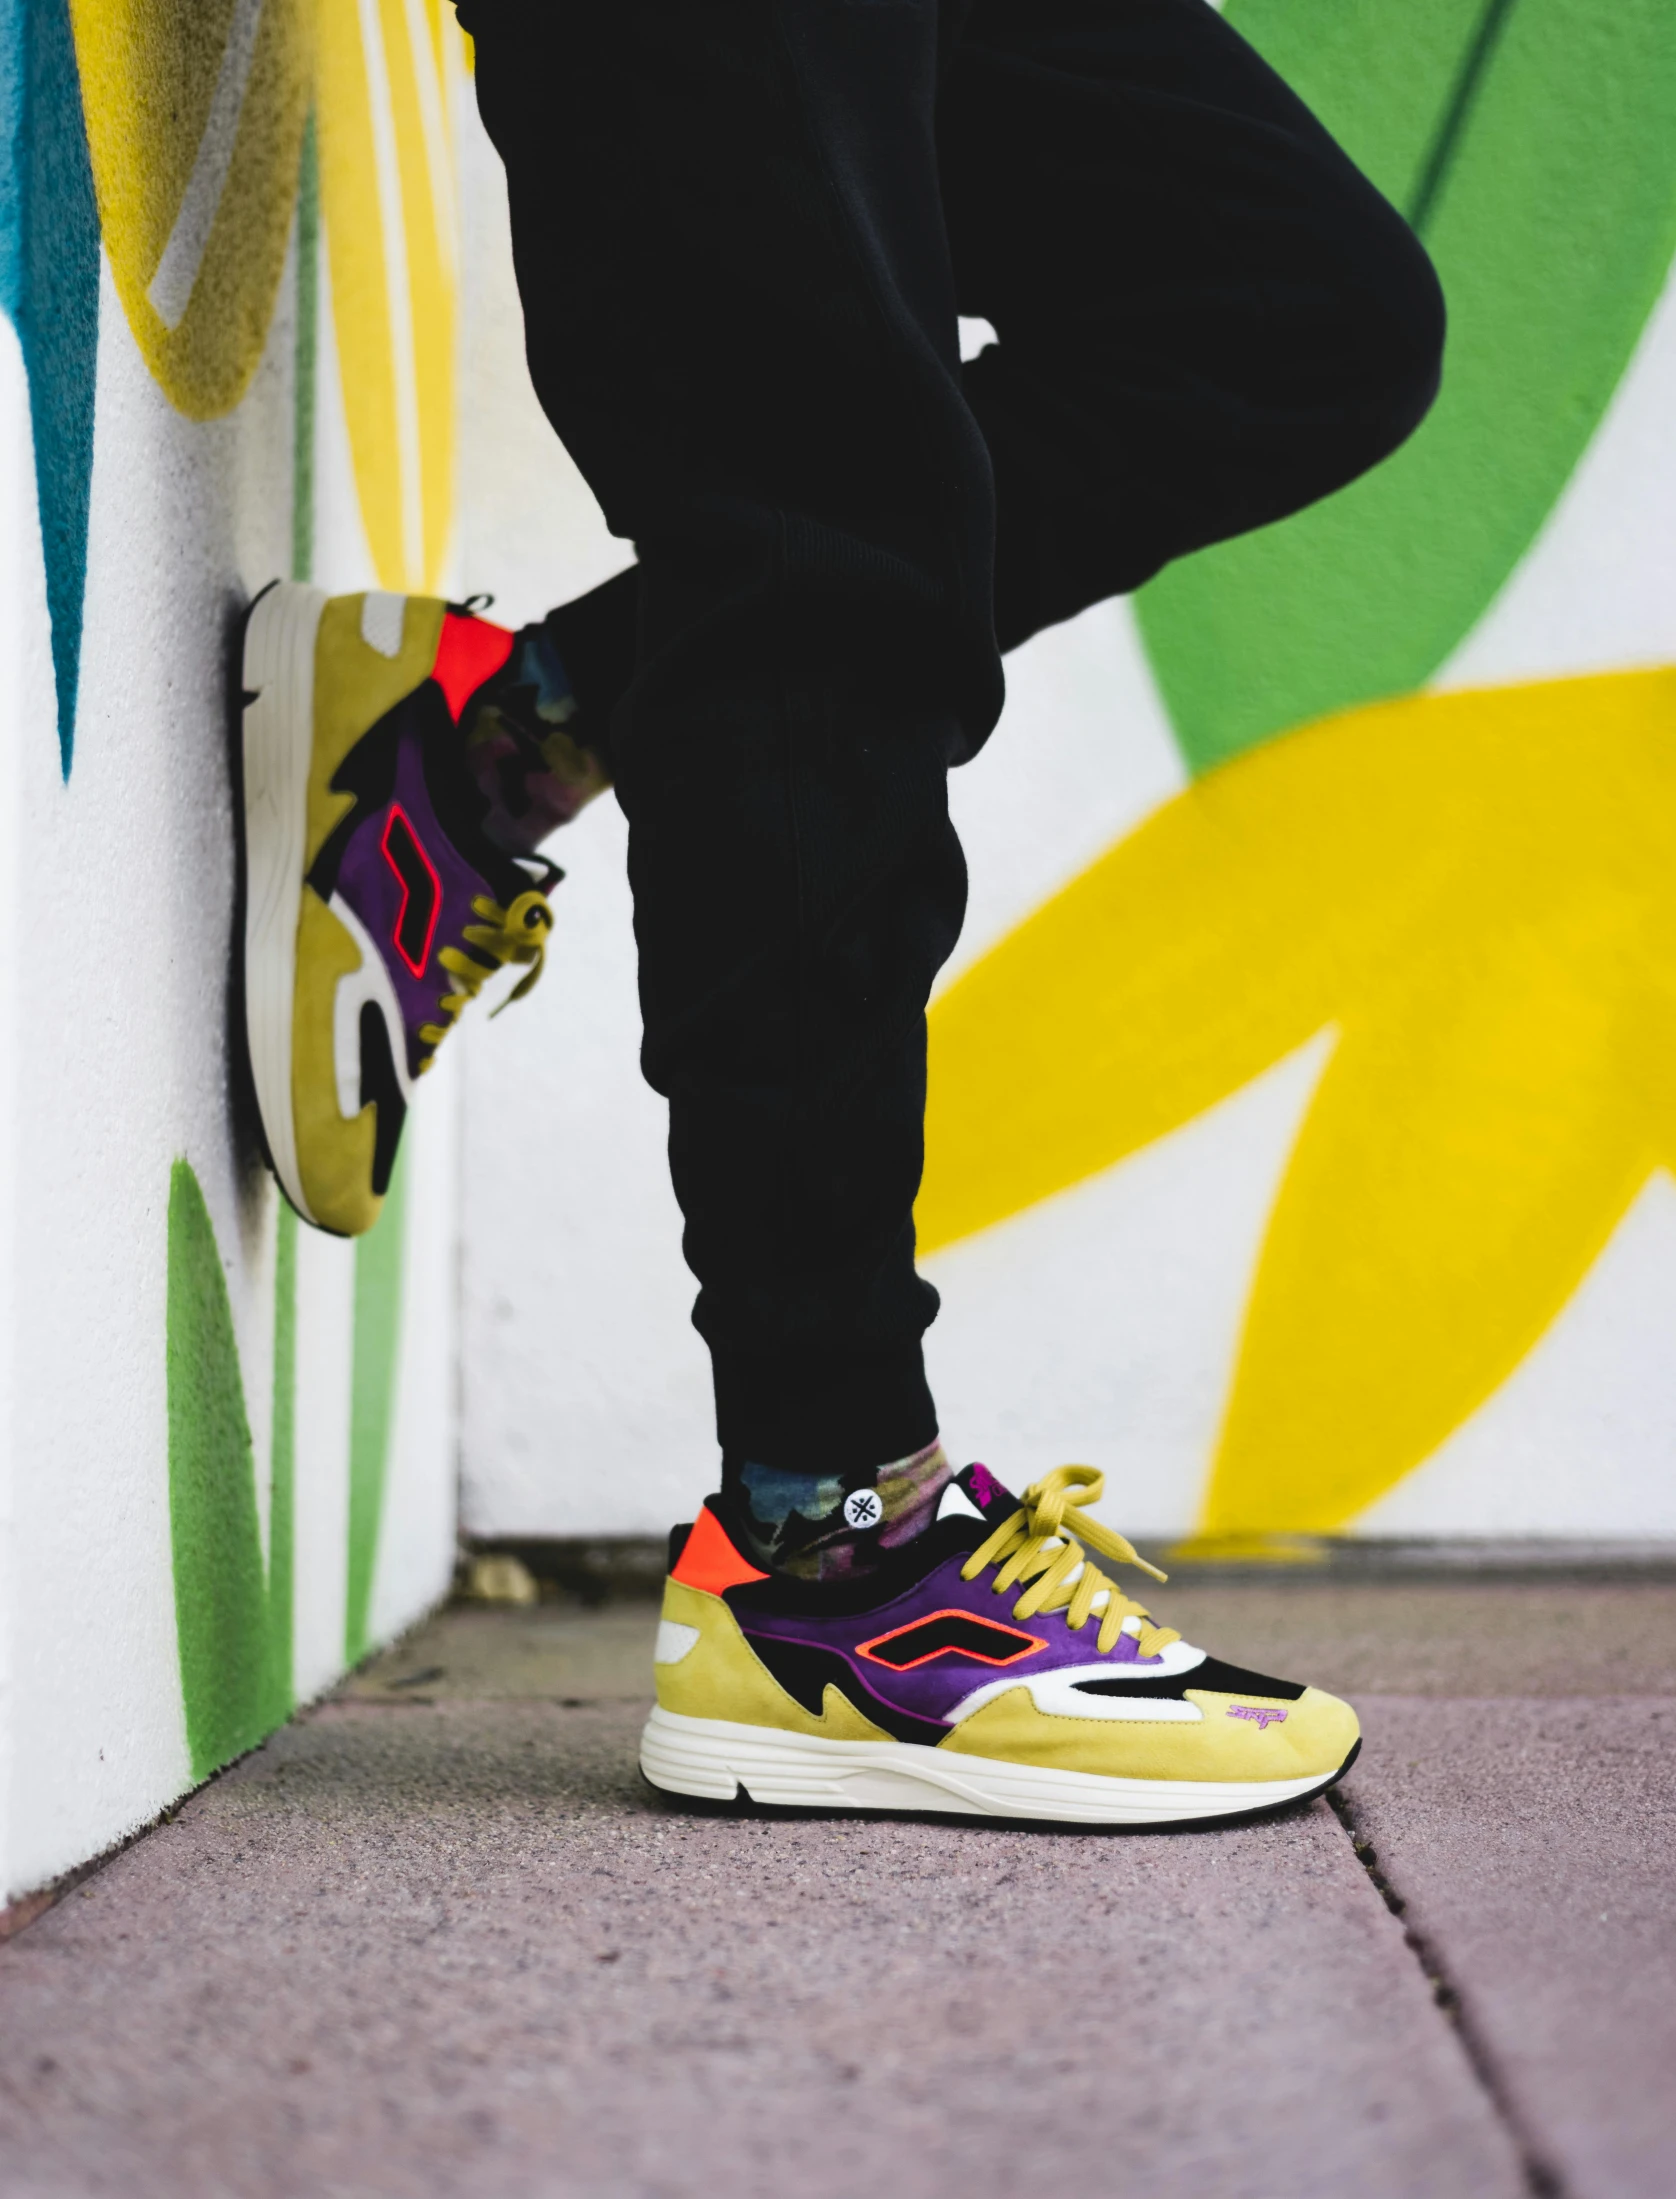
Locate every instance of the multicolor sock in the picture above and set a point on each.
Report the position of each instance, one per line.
(822, 1526)
(526, 748)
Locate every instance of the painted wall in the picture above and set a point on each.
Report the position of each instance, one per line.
(1303, 1090)
(226, 354)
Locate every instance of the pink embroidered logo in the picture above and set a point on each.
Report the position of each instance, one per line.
(985, 1487)
(1264, 1716)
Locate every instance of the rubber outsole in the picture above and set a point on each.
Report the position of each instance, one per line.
(275, 742)
(715, 1760)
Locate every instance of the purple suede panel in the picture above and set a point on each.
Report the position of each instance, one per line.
(932, 1690)
(371, 886)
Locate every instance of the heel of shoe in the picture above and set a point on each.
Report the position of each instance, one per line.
(276, 739)
(681, 1760)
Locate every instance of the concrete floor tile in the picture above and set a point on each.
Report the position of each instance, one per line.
(553, 1653)
(446, 1948)
(1472, 1636)
(1531, 1843)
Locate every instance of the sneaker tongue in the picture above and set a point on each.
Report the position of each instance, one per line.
(460, 808)
(986, 1492)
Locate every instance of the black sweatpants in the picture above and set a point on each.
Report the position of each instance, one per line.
(743, 232)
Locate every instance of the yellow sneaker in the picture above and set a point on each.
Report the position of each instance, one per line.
(375, 906)
(987, 1669)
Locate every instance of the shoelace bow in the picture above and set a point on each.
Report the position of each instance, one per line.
(514, 935)
(1035, 1545)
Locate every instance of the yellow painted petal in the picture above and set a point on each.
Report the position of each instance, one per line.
(1462, 1166)
(1189, 958)
(195, 112)
(386, 195)
(1275, 896)
(425, 160)
(1175, 969)
(1479, 891)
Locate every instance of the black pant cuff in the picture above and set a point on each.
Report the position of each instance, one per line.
(823, 1418)
(595, 637)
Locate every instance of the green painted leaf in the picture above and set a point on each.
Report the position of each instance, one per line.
(221, 1594)
(232, 1620)
(1534, 143)
(378, 1311)
(282, 1497)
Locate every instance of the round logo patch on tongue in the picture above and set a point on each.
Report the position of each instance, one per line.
(863, 1508)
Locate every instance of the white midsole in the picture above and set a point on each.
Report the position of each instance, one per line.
(278, 740)
(715, 1757)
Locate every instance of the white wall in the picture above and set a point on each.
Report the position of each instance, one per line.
(585, 1390)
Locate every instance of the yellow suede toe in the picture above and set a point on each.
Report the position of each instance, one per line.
(1234, 1740)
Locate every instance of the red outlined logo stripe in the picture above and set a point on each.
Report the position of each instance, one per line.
(400, 862)
(1021, 1645)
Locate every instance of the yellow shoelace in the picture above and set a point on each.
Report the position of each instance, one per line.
(1036, 1545)
(517, 934)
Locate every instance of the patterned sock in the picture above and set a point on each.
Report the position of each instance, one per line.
(822, 1526)
(527, 748)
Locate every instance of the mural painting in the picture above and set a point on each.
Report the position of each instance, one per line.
(1451, 895)
(1467, 889)
(257, 165)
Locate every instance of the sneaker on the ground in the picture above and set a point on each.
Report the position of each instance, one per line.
(988, 1668)
(375, 906)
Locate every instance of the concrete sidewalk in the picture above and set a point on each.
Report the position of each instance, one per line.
(437, 1938)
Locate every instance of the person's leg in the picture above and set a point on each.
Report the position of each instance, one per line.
(1208, 317)
(740, 319)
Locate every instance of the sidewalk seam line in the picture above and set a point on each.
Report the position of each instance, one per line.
(1542, 2179)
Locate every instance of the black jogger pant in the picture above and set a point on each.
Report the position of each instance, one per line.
(743, 231)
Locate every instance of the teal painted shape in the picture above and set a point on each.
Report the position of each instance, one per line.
(1534, 143)
(379, 1259)
(232, 1622)
(49, 286)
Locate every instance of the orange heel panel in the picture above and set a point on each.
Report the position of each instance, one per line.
(709, 1561)
(470, 651)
